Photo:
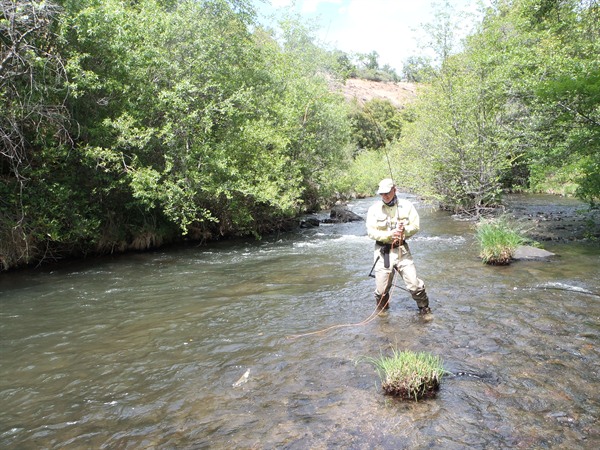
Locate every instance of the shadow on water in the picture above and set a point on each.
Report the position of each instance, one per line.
(190, 348)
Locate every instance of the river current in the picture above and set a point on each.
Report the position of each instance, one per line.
(195, 347)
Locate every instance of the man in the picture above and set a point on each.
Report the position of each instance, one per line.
(390, 222)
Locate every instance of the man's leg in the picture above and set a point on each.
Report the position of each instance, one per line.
(382, 301)
(383, 282)
(415, 285)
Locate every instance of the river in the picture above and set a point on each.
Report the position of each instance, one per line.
(194, 347)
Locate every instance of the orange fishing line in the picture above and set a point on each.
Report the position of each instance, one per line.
(369, 319)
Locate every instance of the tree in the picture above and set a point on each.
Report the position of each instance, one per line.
(567, 100)
(31, 82)
(456, 148)
(549, 64)
(177, 118)
(521, 98)
(376, 123)
(33, 126)
(417, 69)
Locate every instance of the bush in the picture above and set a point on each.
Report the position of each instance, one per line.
(498, 240)
(367, 169)
(375, 124)
(409, 375)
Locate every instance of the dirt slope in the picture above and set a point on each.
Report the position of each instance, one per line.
(399, 93)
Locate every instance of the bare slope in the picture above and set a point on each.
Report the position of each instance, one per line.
(399, 93)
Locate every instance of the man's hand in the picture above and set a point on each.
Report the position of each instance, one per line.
(398, 234)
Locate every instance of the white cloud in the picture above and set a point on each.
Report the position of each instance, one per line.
(311, 6)
(387, 27)
(392, 28)
(280, 3)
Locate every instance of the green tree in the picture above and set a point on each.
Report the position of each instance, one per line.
(35, 137)
(549, 54)
(567, 100)
(312, 115)
(456, 149)
(179, 120)
(520, 100)
(376, 123)
(417, 69)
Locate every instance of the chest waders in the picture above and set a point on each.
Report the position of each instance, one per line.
(418, 294)
(383, 301)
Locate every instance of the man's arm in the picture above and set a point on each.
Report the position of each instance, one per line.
(411, 227)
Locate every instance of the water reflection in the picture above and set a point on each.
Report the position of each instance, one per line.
(143, 351)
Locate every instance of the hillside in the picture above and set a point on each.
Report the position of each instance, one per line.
(399, 93)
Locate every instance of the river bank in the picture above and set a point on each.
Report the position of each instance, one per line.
(546, 217)
(542, 218)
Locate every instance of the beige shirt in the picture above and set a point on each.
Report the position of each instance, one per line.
(383, 219)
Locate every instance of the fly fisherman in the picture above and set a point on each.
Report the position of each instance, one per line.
(390, 223)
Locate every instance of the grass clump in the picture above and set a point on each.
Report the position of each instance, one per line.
(498, 239)
(409, 375)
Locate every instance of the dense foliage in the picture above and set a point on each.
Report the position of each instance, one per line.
(375, 124)
(125, 125)
(364, 66)
(128, 124)
(518, 106)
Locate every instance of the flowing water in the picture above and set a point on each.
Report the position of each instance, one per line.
(192, 347)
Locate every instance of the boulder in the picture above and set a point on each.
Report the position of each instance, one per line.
(309, 222)
(341, 214)
(529, 252)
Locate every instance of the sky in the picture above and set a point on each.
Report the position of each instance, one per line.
(392, 28)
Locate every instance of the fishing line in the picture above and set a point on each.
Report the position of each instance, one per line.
(377, 310)
(366, 321)
(566, 288)
(394, 283)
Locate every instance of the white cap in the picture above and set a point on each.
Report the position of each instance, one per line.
(385, 186)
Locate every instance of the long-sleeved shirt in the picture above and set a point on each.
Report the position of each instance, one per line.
(383, 219)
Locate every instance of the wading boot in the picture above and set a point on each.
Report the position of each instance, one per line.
(422, 300)
(425, 313)
(383, 301)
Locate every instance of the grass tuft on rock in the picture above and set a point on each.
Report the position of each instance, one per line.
(498, 239)
(409, 375)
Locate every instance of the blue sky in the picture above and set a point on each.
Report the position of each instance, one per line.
(392, 28)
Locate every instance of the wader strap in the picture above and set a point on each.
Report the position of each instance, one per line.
(371, 272)
(385, 252)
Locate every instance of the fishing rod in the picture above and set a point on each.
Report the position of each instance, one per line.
(375, 313)
(381, 136)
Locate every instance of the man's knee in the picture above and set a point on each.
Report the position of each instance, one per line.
(419, 293)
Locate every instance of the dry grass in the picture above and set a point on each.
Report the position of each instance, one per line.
(398, 93)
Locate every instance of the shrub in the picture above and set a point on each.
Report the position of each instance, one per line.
(409, 375)
(498, 240)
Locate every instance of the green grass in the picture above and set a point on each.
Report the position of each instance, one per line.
(409, 375)
(498, 239)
